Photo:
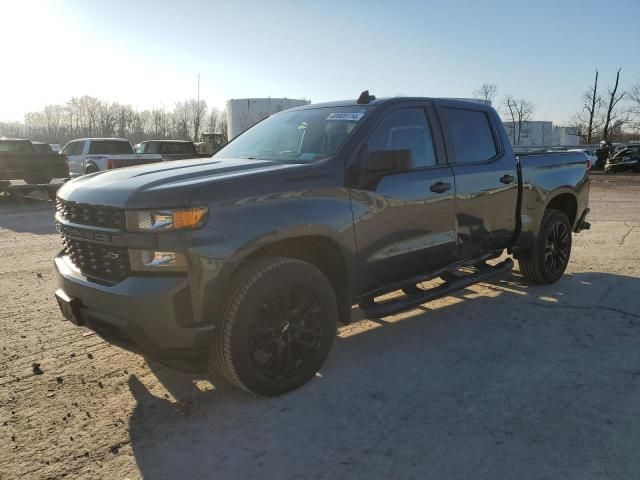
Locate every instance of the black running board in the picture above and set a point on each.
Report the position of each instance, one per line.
(392, 306)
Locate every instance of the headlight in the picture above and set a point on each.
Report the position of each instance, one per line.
(156, 261)
(166, 220)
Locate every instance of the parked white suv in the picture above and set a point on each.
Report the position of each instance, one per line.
(90, 155)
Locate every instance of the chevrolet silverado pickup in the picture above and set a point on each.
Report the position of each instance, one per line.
(21, 161)
(245, 262)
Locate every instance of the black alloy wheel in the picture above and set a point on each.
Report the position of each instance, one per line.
(287, 333)
(276, 327)
(557, 249)
(546, 261)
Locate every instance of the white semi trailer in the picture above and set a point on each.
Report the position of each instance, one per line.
(246, 112)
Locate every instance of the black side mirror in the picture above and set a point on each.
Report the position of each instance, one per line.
(377, 164)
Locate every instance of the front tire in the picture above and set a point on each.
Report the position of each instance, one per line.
(277, 326)
(547, 260)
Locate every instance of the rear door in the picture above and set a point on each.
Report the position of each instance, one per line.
(404, 224)
(485, 177)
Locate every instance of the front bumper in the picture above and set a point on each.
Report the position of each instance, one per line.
(150, 315)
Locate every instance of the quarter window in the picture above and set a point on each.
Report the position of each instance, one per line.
(405, 130)
(470, 134)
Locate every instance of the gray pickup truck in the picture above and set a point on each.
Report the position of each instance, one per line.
(245, 262)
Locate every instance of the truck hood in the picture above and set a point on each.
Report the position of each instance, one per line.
(159, 185)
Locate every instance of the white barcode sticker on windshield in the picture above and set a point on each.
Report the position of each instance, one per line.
(350, 117)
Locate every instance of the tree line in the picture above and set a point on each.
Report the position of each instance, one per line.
(88, 116)
(606, 114)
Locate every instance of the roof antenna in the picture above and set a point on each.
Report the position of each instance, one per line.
(365, 98)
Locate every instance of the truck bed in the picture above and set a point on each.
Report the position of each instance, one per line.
(561, 174)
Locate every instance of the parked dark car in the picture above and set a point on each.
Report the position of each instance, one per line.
(626, 158)
(21, 160)
(169, 149)
(247, 261)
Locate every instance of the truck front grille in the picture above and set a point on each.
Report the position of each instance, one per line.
(103, 262)
(93, 215)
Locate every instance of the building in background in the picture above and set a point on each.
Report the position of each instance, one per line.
(534, 133)
(537, 133)
(246, 112)
(565, 136)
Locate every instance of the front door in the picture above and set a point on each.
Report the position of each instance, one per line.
(73, 152)
(404, 224)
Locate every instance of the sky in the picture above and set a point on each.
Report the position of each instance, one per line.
(149, 53)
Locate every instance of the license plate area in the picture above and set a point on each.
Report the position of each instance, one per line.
(70, 307)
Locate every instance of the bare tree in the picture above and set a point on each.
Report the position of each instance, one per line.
(213, 121)
(180, 121)
(88, 116)
(53, 115)
(107, 119)
(519, 112)
(634, 108)
(90, 107)
(592, 103)
(487, 91)
(612, 120)
(223, 126)
(124, 117)
(159, 121)
(197, 112)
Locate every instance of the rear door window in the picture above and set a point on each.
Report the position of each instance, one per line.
(470, 135)
(178, 148)
(110, 147)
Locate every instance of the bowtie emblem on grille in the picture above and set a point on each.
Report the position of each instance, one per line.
(112, 255)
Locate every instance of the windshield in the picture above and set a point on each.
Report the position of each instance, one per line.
(298, 136)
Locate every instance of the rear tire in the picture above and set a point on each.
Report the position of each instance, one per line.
(277, 326)
(547, 260)
(91, 168)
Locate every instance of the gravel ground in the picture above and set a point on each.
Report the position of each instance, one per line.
(501, 380)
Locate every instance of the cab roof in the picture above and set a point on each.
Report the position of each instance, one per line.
(376, 102)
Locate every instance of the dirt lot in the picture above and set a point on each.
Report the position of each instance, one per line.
(501, 380)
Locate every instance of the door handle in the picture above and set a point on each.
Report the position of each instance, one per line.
(507, 179)
(440, 187)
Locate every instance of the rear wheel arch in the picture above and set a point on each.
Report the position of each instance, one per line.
(566, 203)
(91, 167)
